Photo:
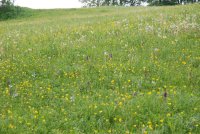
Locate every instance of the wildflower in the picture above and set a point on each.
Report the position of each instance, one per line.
(168, 115)
(120, 119)
(150, 127)
(184, 63)
(145, 132)
(149, 123)
(112, 81)
(95, 131)
(161, 121)
(72, 98)
(105, 53)
(11, 126)
(120, 103)
(49, 89)
(9, 112)
(156, 49)
(165, 94)
(149, 93)
(174, 92)
(35, 116)
(135, 113)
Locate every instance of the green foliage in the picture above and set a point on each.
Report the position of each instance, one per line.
(9, 11)
(133, 2)
(14, 12)
(163, 3)
(101, 70)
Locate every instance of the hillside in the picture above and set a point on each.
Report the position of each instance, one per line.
(101, 70)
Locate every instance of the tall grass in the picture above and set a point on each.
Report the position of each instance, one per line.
(101, 70)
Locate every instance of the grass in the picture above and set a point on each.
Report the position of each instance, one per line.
(101, 70)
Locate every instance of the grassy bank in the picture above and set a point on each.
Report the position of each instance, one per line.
(101, 70)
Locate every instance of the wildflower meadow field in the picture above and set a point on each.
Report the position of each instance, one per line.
(119, 70)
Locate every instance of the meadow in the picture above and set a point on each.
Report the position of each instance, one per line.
(133, 70)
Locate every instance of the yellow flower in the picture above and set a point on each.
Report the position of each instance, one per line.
(109, 131)
(120, 104)
(95, 131)
(145, 132)
(112, 81)
(161, 121)
(149, 123)
(169, 103)
(174, 92)
(168, 115)
(11, 126)
(184, 63)
(149, 93)
(49, 89)
(120, 119)
(9, 112)
(135, 113)
(150, 127)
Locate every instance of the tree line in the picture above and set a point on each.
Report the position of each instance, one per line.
(89, 3)
(8, 10)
